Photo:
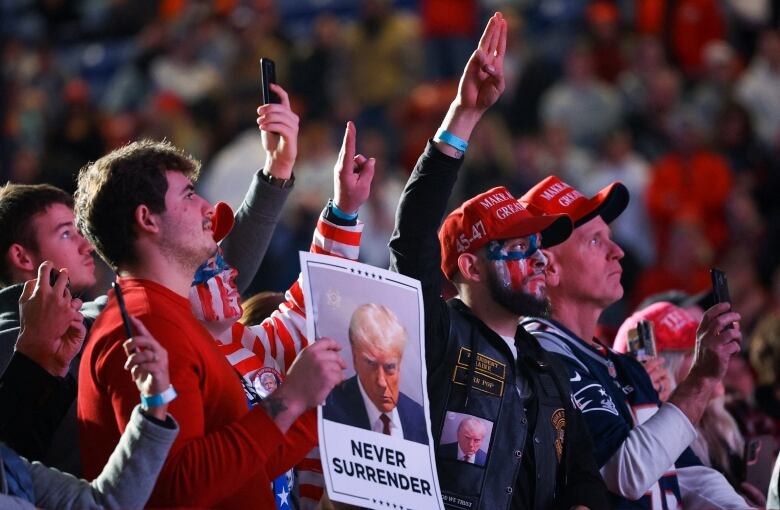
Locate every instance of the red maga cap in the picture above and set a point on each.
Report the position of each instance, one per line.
(492, 216)
(222, 221)
(674, 328)
(553, 196)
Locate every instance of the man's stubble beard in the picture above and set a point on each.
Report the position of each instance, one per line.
(186, 256)
(517, 302)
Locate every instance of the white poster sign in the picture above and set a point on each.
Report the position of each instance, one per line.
(374, 429)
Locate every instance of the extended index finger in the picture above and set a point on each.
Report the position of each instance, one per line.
(487, 35)
(348, 145)
(495, 36)
(501, 49)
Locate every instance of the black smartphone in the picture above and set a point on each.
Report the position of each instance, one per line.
(53, 279)
(720, 286)
(267, 77)
(641, 341)
(123, 310)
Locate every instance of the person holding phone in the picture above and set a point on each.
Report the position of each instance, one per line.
(37, 224)
(642, 445)
(719, 442)
(263, 353)
(139, 207)
(126, 481)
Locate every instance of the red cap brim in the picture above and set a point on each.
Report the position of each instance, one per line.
(555, 229)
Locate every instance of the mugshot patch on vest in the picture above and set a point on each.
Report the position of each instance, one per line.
(558, 420)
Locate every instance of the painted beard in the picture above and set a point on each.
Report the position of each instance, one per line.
(516, 301)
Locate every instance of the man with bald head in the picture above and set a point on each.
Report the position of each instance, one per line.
(372, 399)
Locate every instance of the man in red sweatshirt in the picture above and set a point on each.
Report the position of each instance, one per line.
(139, 208)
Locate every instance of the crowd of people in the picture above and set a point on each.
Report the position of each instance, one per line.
(594, 160)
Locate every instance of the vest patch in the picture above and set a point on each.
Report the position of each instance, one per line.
(479, 381)
(484, 364)
(558, 420)
(454, 500)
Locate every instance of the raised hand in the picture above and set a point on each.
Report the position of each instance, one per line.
(314, 373)
(147, 362)
(52, 330)
(279, 127)
(482, 82)
(352, 174)
(716, 342)
(480, 85)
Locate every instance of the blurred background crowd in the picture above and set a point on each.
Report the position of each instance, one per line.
(678, 99)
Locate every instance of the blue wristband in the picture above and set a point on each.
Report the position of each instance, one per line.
(341, 214)
(159, 399)
(452, 140)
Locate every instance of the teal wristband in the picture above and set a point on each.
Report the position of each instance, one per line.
(159, 399)
(341, 214)
(453, 141)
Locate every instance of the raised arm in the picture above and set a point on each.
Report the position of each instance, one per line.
(282, 336)
(414, 245)
(245, 246)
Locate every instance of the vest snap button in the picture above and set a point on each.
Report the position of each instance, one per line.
(509, 490)
(524, 421)
(536, 440)
(518, 453)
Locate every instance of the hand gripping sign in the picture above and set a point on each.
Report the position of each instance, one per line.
(375, 438)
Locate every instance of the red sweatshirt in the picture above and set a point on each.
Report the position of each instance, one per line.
(225, 455)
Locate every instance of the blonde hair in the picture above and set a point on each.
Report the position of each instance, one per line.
(719, 437)
(377, 326)
(674, 362)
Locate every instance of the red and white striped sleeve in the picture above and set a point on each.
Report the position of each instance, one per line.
(279, 339)
(282, 336)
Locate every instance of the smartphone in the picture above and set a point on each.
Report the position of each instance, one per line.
(759, 459)
(267, 77)
(53, 279)
(641, 341)
(123, 310)
(720, 286)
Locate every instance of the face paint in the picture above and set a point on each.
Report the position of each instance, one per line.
(516, 263)
(214, 296)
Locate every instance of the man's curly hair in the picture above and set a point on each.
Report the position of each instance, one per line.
(110, 189)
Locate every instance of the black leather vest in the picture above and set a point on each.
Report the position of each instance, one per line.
(484, 386)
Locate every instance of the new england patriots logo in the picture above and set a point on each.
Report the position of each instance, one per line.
(594, 398)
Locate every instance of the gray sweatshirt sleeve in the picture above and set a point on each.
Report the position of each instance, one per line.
(245, 245)
(127, 479)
